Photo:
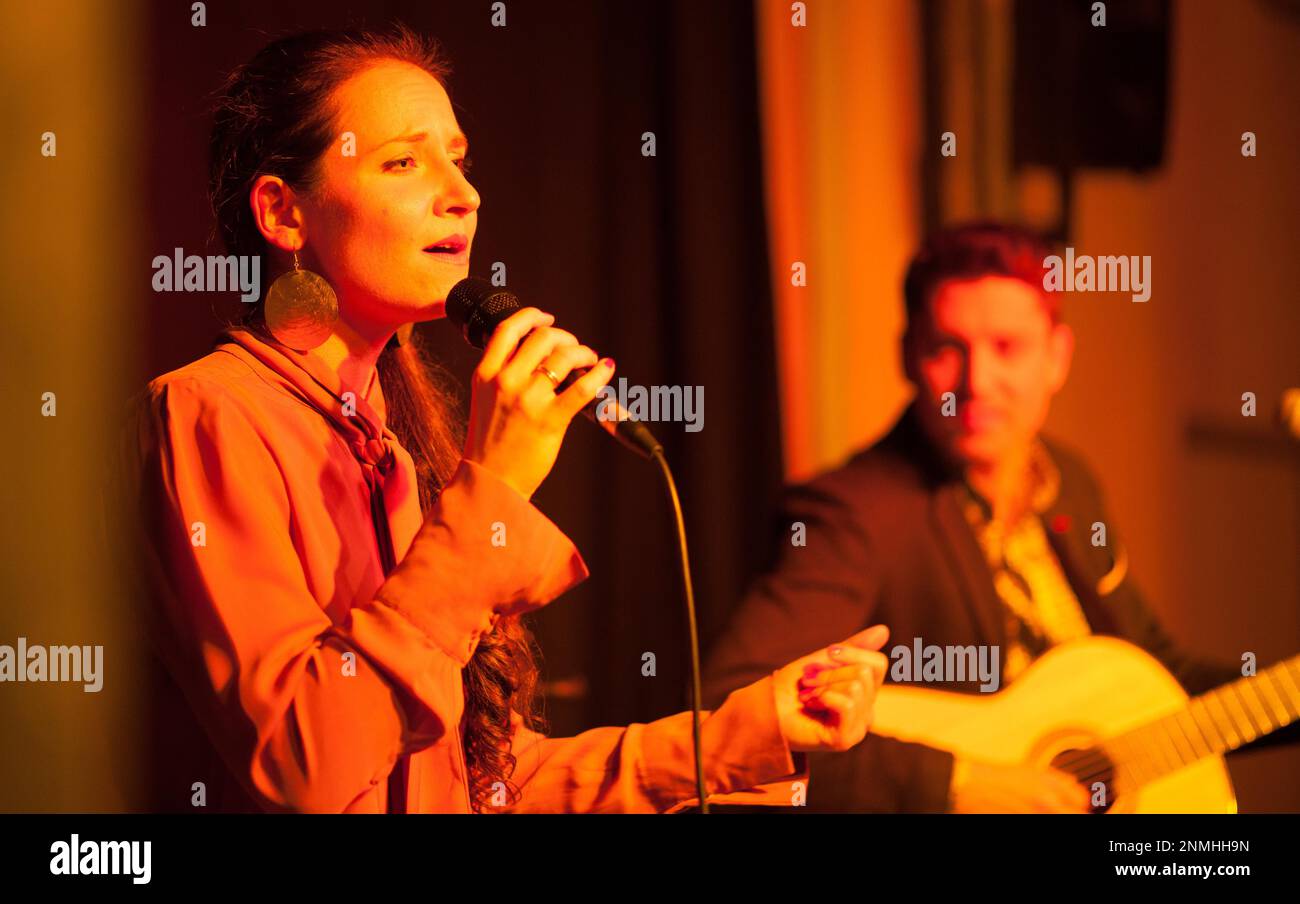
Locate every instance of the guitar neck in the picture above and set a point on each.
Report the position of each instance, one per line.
(1212, 724)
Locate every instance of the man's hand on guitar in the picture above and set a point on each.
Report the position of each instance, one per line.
(979, 787)
(824, 701)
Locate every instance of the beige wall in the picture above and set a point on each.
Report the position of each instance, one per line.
(70, 321)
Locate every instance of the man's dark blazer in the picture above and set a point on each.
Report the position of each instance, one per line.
(887, 542)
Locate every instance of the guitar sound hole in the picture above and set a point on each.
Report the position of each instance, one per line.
(1089, 767)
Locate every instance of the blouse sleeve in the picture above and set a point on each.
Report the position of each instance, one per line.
(309, 713)
(650, 768)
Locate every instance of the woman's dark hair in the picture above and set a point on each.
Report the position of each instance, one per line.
(275, 116)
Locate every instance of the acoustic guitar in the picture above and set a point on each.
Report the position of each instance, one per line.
(1105, 711)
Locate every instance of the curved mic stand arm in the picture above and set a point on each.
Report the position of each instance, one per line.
(688, 591)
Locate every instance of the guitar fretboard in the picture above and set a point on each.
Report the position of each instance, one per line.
(1212, 724)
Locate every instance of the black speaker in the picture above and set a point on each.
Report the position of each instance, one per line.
(1086, 95)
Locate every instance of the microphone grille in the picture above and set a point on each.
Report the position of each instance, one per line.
(477, 306)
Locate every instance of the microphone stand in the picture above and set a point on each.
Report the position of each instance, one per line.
(688, 592)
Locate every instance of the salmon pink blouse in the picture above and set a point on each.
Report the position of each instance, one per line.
(319, 674)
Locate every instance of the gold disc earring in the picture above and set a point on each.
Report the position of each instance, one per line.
(301, 309)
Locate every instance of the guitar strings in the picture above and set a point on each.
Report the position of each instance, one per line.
(1094, 762)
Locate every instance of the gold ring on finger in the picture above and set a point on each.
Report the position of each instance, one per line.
(548, 373)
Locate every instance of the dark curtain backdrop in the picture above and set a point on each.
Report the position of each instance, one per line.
(659, 262)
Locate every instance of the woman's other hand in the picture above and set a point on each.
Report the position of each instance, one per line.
(825, 700)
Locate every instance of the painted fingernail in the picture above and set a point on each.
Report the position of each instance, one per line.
(608, 362)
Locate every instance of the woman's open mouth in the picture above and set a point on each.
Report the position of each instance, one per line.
(454, 250)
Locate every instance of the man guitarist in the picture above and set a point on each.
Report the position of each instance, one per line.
(963, 526)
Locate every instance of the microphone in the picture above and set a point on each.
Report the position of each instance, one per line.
(477, 307)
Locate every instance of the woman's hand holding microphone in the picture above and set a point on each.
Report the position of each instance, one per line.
(517, 420)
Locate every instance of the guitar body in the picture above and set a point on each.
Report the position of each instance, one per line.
(1073, 697)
